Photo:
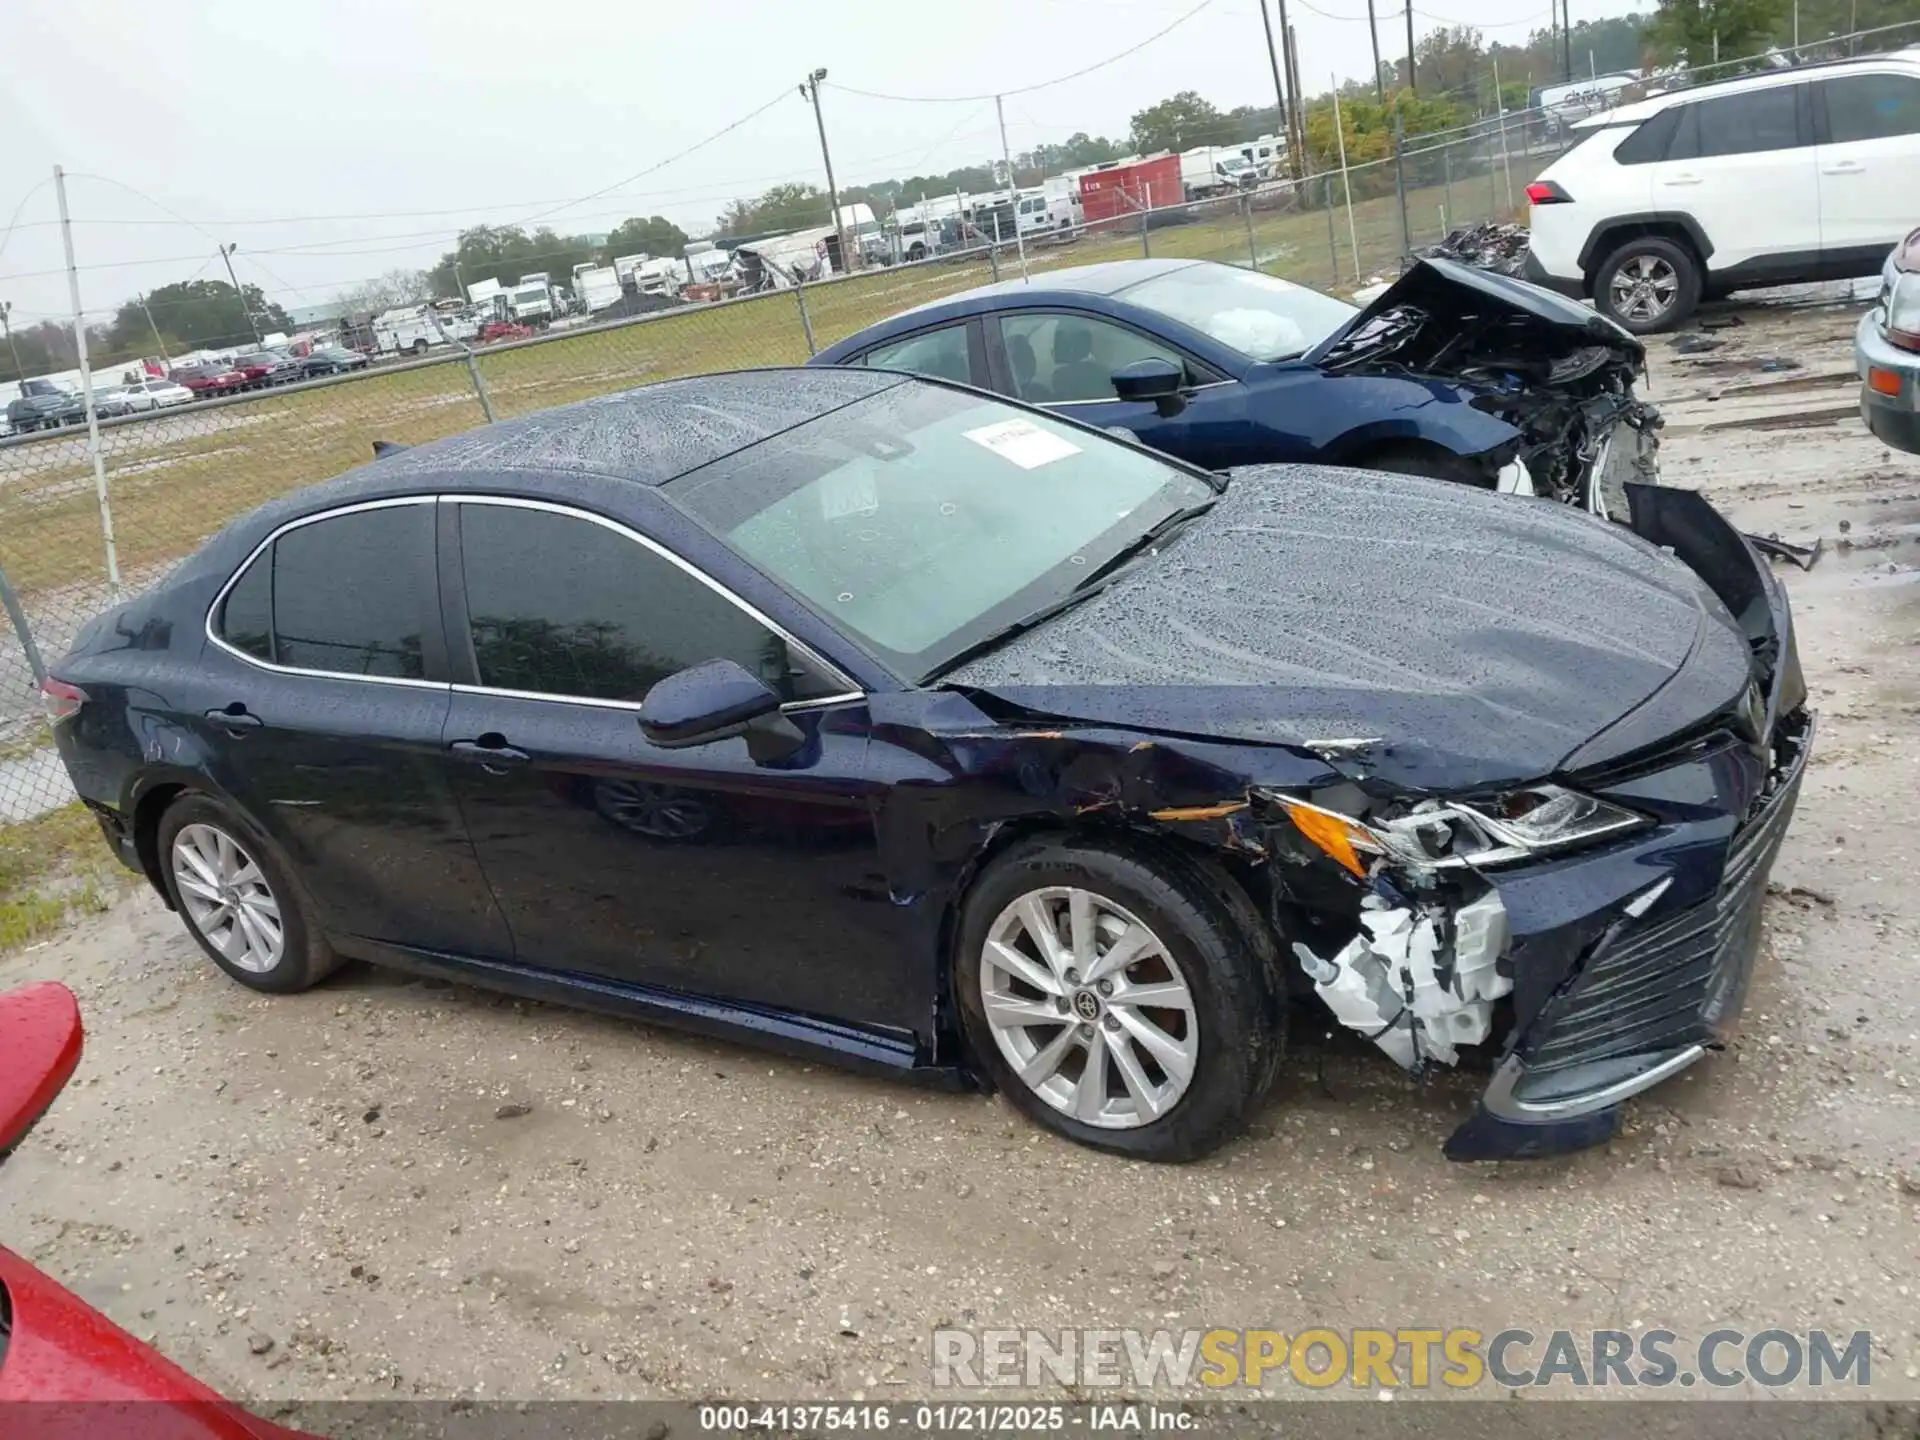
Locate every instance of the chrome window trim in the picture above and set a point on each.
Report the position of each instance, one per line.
(831, 670)
(791, 707)
(254, 554)
(1116, 400)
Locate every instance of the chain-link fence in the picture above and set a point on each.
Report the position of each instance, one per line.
(172, 476)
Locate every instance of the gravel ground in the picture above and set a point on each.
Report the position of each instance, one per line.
(392, 1187)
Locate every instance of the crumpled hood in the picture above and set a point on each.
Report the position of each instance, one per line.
(1455, 294)
(1479, 638)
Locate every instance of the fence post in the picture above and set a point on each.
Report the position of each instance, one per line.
(86, 386)
(1333, 243)
(1446, 174)
(479, 384)
(1253, 253)
(21, 628)
(1400, 181)
(806, 320)
(1146, 243)
(993, 254)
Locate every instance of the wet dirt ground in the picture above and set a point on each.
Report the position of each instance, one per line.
(388, 1187)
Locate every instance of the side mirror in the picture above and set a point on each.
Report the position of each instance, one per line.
(40, 1033)
(717, 701)
(1152, 379)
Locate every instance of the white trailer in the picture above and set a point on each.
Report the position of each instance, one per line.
(597, 286)
(1209, 170)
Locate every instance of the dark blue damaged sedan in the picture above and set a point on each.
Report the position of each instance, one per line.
(881, 720)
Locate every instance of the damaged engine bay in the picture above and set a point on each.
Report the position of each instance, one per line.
(1565, 383)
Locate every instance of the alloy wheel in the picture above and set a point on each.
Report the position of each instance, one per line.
(1089, 1008)
(227, 898)
(1644, 289)
(664, 812)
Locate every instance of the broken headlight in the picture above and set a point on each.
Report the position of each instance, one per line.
(1437, 834)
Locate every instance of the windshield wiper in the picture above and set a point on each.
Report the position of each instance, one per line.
(1084, 589)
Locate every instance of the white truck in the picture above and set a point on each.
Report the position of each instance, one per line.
(597, 286)
(625, 265)
(1210, 170)
(409, 330)
(660, 278)
(1052, 209)
(532, 300)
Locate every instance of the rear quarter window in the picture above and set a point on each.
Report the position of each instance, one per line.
(1648, 141)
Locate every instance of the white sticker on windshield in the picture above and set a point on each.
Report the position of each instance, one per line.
(1024, 443)
(848, 492)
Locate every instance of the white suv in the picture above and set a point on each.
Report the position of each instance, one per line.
(1804, 174)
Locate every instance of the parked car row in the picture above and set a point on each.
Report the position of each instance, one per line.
(46, 404)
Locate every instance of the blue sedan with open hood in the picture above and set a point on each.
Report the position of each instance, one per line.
(1453, 372)
(882, 720)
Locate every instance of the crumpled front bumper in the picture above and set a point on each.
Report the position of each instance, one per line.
(1894, 417)
(1660, 981)
(1629, 964)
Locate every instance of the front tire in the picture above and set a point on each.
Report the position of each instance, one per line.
(1648, 285)
(238, 899)
(1129, 1004)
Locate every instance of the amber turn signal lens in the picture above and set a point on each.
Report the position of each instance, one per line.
(1883, 382)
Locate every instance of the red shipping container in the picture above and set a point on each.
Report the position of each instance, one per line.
(1110, 199)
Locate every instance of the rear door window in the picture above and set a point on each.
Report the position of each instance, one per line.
(944, 354)
(1744, 124)
(351, 594)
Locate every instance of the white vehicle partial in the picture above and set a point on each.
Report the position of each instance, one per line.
(1773, 178)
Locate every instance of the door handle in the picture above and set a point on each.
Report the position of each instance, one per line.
(236, 719)
(492, 752)
(1681, 180)
(1844, 167)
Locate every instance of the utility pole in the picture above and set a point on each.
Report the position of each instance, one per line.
(1566, 35)
(158, 343)
(1285, 126)
(6, 309)
(86, 389)
(1411, 86)
(226, 254)
(1373, 34)
(1013, 188)
(1297, 115)
(810, 88)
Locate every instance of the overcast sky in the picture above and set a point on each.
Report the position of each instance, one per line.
(334, 140)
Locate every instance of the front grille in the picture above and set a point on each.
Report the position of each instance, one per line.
(1676, 982)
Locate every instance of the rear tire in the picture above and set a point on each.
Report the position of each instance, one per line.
(1180, 1069)
(1648, 285)
(238, 898)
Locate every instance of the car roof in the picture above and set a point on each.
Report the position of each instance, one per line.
(1106, 278)
(1637, 110)
(647, 436)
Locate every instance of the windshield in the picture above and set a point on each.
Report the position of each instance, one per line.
(924, 520)
(1262, 317)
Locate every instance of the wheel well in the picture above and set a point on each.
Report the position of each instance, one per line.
(1228, 890)
(146, 832)
(1614, 236)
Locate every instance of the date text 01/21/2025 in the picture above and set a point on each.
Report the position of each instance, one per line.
(961, 1417)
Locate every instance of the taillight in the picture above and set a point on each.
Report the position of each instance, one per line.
(60, 700)
(1548, 192)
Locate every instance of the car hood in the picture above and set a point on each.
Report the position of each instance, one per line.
(1466, 639)
(1455, 295)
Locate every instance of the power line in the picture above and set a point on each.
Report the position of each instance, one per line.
(1026, 89)
(15, 221)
